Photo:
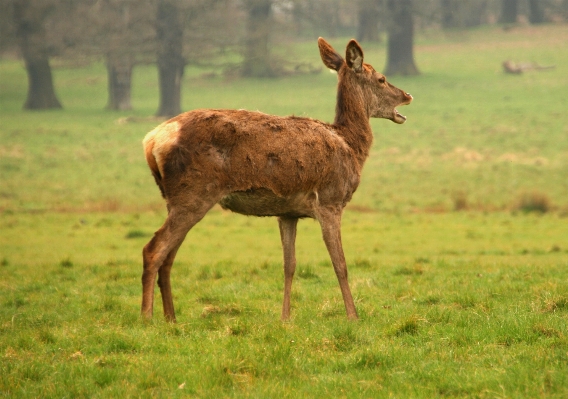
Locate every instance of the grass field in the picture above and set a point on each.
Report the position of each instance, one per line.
(457, 241)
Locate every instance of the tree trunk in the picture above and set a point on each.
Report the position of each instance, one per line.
(257, 52)
(119, 83)
(169, 35)
(41, 94)
(476, 12)
(536, 12)
(30, 34)
(400, 50)
(509, 11)
(368, 26)
(450, 18)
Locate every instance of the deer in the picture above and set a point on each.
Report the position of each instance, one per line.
(256, 164)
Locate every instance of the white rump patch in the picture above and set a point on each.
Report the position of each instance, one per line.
(162, 139)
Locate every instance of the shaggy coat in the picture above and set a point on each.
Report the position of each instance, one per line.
(265, 165)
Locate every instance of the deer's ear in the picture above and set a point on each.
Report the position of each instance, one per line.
(354, 56)
(329, 56)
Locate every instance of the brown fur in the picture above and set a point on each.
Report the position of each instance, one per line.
(265, 165)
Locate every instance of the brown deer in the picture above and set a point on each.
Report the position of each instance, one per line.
(265, 165)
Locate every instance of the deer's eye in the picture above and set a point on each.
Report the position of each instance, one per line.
(382, 79)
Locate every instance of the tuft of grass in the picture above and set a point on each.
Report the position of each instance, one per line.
(408, 326)
(66, 263)
(307, 272)
(460, 201)
(547, 331)
(556, 304)
(416, 270)
(371, 361)
(533, 201)
(229, 310)
(362, 263)
(430, 300)
(137, 234)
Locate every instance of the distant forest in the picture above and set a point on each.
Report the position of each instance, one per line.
(176, 33)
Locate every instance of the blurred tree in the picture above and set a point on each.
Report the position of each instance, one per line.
(188, 32)
(536, 12)
(462, 14)
(121, 31)
(369, 15)
(449, 14)
(400, 48)
(169, 38)
(327, 18)
(509, 11)
(29, 19)
(259, 23)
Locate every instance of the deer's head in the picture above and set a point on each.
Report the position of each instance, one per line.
(366, 86)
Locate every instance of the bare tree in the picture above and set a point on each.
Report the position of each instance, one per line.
(400, 48)
(181, 29)
(29, 17)
(124, 27)
(121, 32)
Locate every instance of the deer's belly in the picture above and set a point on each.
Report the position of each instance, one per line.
(263, 202)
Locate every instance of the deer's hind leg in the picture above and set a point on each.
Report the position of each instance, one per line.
(160, 252)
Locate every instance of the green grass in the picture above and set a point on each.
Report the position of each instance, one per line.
(469, 303)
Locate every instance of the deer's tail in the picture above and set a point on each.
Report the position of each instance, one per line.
(153, 164)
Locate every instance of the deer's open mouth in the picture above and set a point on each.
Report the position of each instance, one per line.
(398, 117)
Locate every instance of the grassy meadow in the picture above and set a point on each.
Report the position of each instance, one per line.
(456, 241)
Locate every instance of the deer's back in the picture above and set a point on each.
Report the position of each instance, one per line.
(252, 156)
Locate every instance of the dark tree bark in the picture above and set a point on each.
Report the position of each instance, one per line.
(368, 24)
(258, 29)
(30, 34)
(119, 74)
(509, 11)
(400, 48)
(536, 12)
(169, 35)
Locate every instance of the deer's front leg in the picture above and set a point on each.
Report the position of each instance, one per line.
(330, 221)
(288, 237)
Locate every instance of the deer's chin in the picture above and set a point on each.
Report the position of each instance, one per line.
(397, 117)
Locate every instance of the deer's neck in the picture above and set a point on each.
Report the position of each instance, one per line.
(352, 121)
